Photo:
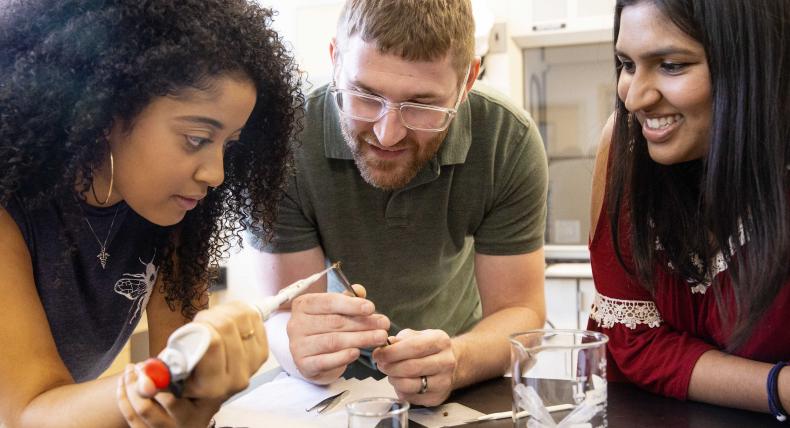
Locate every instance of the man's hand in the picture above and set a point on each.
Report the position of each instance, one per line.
(415, 355)
(326, 331)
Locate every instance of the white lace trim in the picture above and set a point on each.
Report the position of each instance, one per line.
(717, 264)
(607, 312)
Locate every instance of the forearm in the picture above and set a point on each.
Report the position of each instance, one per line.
(89, 404)
(279, 344)
(484, 351)
(730, 381)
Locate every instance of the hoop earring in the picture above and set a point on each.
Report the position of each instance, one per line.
(109, 192)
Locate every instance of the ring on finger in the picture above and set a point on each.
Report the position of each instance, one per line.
(423, 385)
(248, 335)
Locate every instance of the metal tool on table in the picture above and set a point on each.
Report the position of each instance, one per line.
(187, 345)
(329, 403)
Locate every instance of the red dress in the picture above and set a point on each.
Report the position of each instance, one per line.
(655, 342)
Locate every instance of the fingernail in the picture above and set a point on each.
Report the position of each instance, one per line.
(383, 323)
(367, 307)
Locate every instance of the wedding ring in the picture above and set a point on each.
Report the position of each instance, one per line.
(249, 335)
(423, 384)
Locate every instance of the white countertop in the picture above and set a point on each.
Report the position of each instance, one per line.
(569, 270)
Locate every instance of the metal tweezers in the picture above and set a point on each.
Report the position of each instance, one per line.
(344, 280)
(329, 403)
(347, 284)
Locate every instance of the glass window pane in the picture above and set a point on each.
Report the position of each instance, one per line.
(570, 112)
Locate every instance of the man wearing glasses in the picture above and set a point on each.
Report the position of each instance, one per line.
(431, 194)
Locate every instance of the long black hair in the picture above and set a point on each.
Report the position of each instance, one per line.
(739, 190)
(69, 67)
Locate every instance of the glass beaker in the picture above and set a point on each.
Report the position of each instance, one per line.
(559, 378)
(378, 412)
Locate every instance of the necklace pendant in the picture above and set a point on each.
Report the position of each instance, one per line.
(103, 256)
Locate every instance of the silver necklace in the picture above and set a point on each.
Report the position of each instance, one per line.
(103, 255)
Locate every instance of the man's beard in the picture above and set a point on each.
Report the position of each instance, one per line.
(389, 174)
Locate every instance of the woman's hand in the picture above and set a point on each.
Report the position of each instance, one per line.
(237, 350)
(238, 347)
(163, 409)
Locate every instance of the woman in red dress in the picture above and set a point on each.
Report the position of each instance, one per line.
(690, 206)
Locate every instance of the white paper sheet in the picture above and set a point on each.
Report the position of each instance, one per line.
(444, 415)
(284, 400)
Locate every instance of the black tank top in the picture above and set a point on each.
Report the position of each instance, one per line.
(91, 310)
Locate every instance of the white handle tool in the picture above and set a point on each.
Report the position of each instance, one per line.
(187, 345)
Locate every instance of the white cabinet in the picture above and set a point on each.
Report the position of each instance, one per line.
(561, 303)
(586, 299)
(565, 22)
(569, 293)
(548, 14)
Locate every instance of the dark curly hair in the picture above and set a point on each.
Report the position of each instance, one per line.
(68, 68)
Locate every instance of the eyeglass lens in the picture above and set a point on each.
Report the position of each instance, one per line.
(372, 109)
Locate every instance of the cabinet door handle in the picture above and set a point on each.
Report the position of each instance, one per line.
(549, 27)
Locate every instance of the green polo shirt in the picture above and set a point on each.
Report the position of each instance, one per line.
(413, 249)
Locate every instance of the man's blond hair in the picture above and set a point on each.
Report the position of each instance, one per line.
(415, 30)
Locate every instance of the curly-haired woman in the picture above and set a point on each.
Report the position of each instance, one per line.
(137, 140)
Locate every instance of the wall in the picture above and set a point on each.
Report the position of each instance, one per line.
(309, 25)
